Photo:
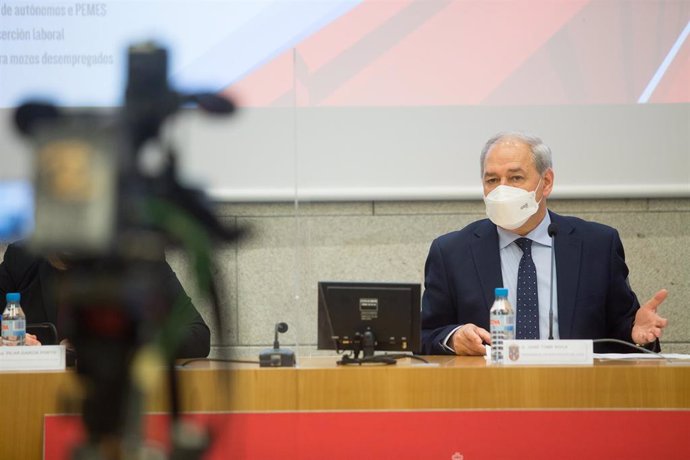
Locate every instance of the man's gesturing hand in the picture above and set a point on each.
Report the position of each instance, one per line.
(648, 324)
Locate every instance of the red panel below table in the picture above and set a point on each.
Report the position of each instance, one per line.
(448, 435)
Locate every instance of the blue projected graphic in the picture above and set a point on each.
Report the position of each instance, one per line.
(77, 57)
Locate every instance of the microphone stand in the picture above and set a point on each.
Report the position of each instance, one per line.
(553, 230)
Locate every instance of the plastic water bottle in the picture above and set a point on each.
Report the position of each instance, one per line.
(13, 321)
(502, 324)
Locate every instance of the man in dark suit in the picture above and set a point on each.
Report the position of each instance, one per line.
(592, 298)
(40, 281)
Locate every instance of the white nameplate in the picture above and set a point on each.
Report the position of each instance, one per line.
(32, 358)
(545, 352)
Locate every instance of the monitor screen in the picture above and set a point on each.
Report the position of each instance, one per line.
(351, 313)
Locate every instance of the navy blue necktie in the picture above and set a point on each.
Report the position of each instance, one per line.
(527, 324)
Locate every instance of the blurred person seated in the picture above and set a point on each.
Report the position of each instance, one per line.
(38, 279)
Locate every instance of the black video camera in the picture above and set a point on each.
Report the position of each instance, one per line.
(110, 220)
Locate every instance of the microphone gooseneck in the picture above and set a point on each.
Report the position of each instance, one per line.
(553, 230)
(280, 328)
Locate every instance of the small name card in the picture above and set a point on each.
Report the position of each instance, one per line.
(30, 358)
(546, 352)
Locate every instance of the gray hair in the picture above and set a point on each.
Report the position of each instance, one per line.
(541, 153)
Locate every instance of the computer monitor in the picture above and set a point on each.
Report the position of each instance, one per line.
(369, 316)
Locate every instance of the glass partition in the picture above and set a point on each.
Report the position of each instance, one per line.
(394, 100)
(359, 123)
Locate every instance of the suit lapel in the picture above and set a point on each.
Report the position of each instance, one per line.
(568, 254)
(487, 260)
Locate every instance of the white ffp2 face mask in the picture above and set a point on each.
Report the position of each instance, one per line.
(510, 207)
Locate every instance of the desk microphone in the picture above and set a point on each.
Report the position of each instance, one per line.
(280, 328)
(553, 230)
(276, 356)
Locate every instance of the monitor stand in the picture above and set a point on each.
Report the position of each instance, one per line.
(366, 344)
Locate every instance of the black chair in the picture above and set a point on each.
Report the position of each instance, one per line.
(46, 333)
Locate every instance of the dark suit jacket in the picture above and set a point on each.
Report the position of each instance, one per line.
(594, 298)
(36, 279)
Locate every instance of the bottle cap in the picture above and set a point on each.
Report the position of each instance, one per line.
(501, 292)
(13, 297)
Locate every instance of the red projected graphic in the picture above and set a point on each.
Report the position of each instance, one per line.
(469, 52)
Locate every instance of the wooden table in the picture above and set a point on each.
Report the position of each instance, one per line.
(317, 384)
